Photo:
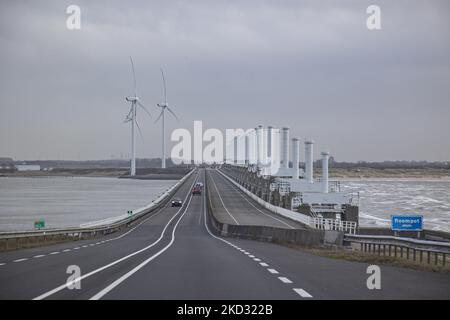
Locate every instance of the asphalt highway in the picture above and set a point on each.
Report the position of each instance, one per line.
(173, 254)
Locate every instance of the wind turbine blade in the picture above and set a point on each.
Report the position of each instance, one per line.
(164, 83)
(173, 113)
(134, 76)
(160, 115)
(128, 118)
(144, 108)
(139, 129)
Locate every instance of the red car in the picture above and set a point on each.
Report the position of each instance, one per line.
(196, 190)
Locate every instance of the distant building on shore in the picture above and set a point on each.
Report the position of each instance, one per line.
(28, 167)
(7, 164)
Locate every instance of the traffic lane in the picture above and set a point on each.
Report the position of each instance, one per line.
(27, 279)
(10, 256)
(199, 266)
(288, 223)
(242, 208)
(231, 208)
(100, 279)
(326, 278)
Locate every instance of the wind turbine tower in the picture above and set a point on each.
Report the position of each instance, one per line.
(163, 107)
(131, 117)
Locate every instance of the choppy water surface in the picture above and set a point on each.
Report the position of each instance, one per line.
(63, 201)
(382, 198)
(71, 201)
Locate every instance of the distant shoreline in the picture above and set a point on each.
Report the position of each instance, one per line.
(142, 174)
(400, 173)
(177, 173)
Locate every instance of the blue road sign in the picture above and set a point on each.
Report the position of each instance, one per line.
(407, 223)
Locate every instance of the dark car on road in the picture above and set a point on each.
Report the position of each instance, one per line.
(177, 203)
(196, 190)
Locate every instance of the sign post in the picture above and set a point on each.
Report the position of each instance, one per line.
(407, 223)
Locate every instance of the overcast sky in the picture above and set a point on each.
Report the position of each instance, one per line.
(311, 65)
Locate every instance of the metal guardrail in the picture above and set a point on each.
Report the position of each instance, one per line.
(412, 249)
(33, 238)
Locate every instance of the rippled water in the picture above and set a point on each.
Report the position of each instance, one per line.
(63, 201)
(381, 199)
(71, 201)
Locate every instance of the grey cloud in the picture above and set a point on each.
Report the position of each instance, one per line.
(311, 65)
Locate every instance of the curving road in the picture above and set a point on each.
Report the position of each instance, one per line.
(173, 255)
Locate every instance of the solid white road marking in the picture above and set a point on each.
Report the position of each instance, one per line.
(221, 200)
(302, 293)
(143, 264)
(20, 260)
(112, 239)
(270, 216)
(285, 280)
(273, 271)
(39, 256)
(65, 285)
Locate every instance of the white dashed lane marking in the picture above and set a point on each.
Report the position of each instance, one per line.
(263, 264)
(302, 293)
(39, 256)
(20, 260)
(67, 250)
(56, 252)
(273, 271)
(285, 280)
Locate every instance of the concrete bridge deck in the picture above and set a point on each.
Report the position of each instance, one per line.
(230, 205)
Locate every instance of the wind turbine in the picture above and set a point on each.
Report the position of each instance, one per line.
(163, 107)
(131, 117)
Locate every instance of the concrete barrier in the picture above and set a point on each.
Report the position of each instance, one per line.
(305, 237)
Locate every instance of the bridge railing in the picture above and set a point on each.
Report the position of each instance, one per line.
(348, 227)
(26, 239)
(316, 223)
(422, 251)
